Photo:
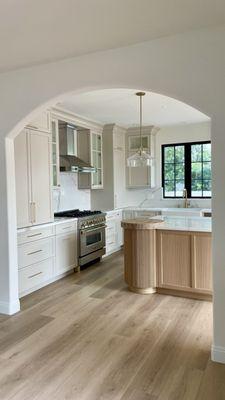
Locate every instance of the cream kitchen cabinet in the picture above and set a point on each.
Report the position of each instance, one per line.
(33, 178)
(114, 231)
(113, 194)
(42, 122)
(66, 247)
(36, 257)
(45, 254)
(55, 154)
(96, 160)
(140, 177)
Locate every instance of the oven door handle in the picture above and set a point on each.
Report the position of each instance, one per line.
(92, 229)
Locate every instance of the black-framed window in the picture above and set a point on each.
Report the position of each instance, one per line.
(186, 166)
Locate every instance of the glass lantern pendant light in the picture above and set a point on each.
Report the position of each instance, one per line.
(141, 158)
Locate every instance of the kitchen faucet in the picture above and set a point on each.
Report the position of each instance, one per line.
(185, 198)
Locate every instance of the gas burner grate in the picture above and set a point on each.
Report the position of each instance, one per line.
(76, 213)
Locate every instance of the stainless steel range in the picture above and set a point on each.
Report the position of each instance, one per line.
(91, 233)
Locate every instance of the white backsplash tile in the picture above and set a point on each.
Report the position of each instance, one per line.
(69, 197)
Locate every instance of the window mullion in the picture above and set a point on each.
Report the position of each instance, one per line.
(188, 169)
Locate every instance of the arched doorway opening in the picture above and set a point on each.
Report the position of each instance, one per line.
(163, 103)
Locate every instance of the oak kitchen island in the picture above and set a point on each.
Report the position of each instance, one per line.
(170, 255)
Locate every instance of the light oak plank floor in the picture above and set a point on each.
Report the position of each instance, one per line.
(86, 337)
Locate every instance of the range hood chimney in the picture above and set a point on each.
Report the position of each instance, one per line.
(68, 161)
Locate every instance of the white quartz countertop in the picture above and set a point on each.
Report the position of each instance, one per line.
(192, 224)
(55, 222)
(167, 209)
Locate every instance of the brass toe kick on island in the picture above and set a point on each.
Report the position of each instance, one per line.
(167, 261)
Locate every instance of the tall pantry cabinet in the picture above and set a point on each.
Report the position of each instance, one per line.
(33, 177)
(113, 192)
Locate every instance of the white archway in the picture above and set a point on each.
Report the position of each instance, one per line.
(187, 67)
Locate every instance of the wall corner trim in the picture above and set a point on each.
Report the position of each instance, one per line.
(218, 354)
(9, 308)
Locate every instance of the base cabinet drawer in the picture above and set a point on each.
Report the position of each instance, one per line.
(36, 274)
(31, 253)
(64, 227)
(32, 234)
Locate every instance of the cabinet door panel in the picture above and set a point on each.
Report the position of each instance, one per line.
(174, 258)
(119, 178)
(40, 162)
(66, 252)
(139, 176)
(202, 261)
(22, 180)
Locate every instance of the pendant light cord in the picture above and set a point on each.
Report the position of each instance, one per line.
(141, 146)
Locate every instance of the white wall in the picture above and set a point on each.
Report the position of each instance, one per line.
(189, 67)
(69, 197)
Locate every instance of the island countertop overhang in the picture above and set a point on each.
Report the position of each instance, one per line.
(188, 224)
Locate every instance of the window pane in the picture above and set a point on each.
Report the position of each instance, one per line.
(170, 189)
(196, 170)
(179, 188)
(178, 168)
(169, 154)
(196, 188)
(196, 152)
(207, 188)
(207, 152)
(207, 170)
(179, 154)
(169, 172)
(179, 171)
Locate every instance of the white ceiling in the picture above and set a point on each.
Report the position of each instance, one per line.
(121, 106)
(36, 31)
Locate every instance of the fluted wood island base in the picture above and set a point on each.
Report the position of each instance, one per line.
(140, 255)
(167, 261)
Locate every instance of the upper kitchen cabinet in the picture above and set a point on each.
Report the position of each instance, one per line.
(33, 178)
(140, 177)
(42, 122)
(55, 153)
(96, 160)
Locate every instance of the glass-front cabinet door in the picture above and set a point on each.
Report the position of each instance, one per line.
(96, 161)
(55, 154)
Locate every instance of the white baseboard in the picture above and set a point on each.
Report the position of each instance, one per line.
(218, 354)
(9, 308)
